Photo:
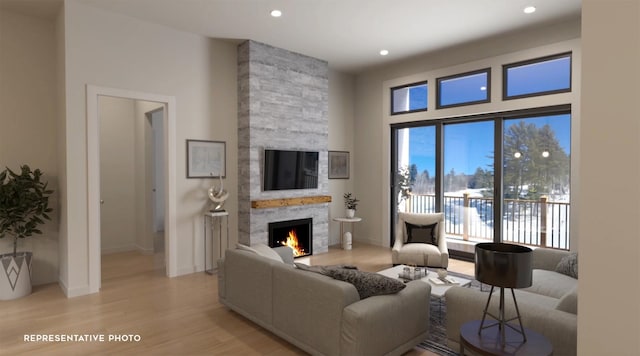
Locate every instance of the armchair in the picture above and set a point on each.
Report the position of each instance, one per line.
(420, 253)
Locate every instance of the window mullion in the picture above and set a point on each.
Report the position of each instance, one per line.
(497, 179)
(439, 186)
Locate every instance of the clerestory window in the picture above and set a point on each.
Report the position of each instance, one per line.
(409, 98)
(541, 76)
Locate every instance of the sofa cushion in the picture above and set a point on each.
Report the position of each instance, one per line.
(426, 234)
(551, 284)
(568, 265)
(262, 250)
(569, 302)
(526, 298)
(367, 283)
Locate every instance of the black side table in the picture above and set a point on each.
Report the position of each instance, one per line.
(489, 341)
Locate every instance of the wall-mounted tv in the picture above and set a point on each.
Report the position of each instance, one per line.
(290, 169)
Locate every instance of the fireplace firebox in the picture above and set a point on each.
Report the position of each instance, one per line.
(296, 234)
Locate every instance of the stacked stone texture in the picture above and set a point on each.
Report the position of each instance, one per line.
(283, 103)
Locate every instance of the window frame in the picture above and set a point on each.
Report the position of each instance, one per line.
(415, 84)
(505, 78)
(460, 75)
(499, 118)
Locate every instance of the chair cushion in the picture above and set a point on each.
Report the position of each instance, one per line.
(426, 234)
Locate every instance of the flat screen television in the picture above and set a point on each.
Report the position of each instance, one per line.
(290, 169)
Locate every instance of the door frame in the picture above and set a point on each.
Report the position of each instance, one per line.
(93, 177)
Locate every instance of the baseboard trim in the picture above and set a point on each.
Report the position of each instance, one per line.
(73, 292)
(187, 270)
(126, 248)
(145, 251)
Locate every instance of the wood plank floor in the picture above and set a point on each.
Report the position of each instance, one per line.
(172, 316)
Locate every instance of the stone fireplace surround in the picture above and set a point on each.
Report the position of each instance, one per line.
(282, 104)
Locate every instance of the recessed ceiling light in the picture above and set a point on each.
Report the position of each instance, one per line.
(529, 9)
(384, 52)
(276, 13)
(483, 88)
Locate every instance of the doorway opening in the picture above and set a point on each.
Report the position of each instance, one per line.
(132, 179)
(143, 183)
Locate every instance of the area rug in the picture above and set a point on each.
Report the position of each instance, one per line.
(436, 342)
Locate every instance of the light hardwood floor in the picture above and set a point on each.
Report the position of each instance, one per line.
(172, 316)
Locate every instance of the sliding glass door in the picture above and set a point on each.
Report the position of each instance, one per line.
(450, 166)
(468, 183)
(536, 180)
(413, 172)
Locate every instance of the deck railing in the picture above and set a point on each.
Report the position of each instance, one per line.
(531, 222)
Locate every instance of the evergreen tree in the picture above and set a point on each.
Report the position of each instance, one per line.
(534, 161)
(413, 173)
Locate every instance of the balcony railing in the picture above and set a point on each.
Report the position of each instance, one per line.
(530, 222)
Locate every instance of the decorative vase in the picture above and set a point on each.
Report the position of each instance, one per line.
(15, 278)
(347, 241)
(351, 213)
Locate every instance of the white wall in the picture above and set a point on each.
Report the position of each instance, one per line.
(341, 133)
(28, 119)
(84, 46)
(372, 107)
(609, 312)
(111, 50)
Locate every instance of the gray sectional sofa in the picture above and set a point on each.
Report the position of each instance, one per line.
(548, 307)
(317, 313)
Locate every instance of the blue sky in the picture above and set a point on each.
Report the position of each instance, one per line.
(470, 145)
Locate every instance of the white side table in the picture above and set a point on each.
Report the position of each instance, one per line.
(342, 221)
(211, 219)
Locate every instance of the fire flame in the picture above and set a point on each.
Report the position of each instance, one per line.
(292, 241)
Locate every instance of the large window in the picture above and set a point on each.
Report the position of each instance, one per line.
(464, 89)
(409, 98)
(468, 179)
(450, 165)
(496, 177)
(540, 76)
(416, 169)
(536, 180)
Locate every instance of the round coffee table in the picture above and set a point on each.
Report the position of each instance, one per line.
(489, 341)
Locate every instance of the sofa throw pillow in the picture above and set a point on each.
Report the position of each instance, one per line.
(367, 283)
(262, 250)
(425, 234)
(319, 268)
(568, 265)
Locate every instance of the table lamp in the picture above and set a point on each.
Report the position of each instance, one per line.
(505, 266)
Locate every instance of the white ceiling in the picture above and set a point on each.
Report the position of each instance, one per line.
(348, 33)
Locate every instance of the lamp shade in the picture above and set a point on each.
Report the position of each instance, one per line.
(503, 265)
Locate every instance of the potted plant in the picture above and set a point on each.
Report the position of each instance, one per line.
(24, 203)
(351, 204)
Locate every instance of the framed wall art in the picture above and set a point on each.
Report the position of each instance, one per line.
(206, 159)
(338, 165)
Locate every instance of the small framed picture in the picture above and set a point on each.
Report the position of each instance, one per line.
(206, 159)
(338, 165)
